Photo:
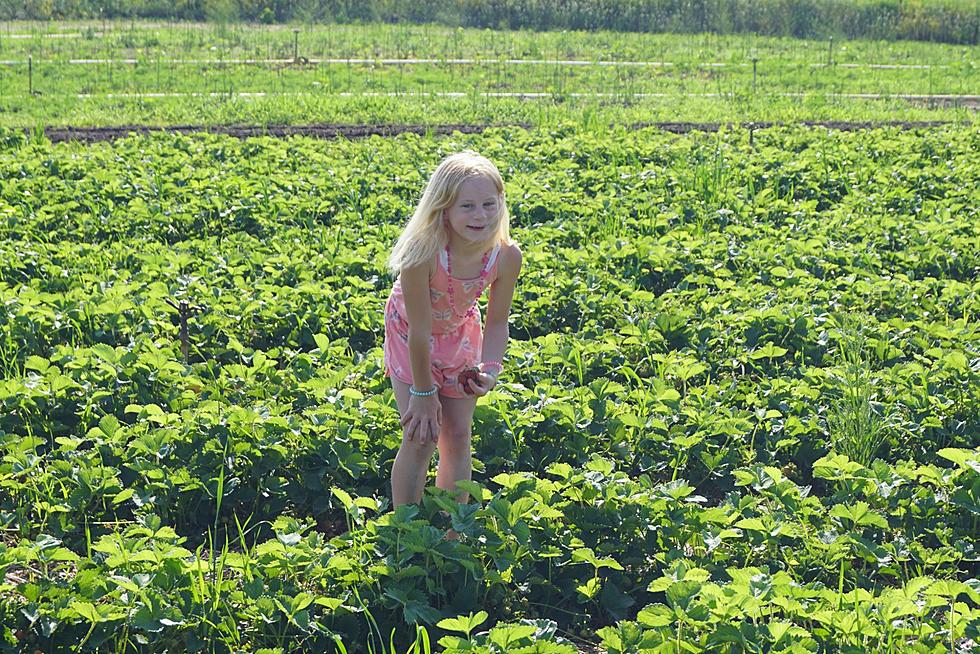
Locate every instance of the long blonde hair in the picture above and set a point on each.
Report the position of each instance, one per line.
(425, 234)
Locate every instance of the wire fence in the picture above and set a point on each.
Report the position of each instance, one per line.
(966, 99)
(143, 75)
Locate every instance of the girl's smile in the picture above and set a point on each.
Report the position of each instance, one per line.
(474, 213)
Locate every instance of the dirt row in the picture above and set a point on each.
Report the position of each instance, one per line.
(329, 131)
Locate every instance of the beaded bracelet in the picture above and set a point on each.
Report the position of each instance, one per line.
(499, 366)
(411, 389)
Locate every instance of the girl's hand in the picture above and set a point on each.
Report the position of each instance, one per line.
(481, 385)
(423, 419)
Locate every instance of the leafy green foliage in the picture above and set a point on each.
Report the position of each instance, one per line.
(658, 470)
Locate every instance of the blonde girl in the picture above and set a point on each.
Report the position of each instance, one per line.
(456, 244)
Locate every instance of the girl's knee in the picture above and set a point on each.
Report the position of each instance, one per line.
(455, 441)
(417, 449)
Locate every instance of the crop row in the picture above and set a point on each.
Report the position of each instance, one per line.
(740, 404)
(594, 112)
(154, 76)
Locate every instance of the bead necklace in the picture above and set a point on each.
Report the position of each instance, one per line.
(483, 281)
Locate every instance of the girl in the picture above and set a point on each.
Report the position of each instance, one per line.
(456, 244)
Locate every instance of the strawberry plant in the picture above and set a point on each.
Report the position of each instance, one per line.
(738, 410)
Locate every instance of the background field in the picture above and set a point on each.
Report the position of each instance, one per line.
(107, 73)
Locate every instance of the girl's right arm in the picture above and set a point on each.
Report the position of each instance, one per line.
(424, 415)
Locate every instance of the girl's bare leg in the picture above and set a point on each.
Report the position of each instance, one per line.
(412, 461)
(455, 453)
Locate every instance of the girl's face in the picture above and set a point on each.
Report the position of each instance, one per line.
(473, 215)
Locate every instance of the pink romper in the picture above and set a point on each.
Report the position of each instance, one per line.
(456, 341)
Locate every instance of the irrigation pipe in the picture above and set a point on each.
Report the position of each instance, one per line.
(515, 94)
(474, 62)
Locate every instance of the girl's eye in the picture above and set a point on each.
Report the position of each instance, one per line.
(489, 205)
(468, 206)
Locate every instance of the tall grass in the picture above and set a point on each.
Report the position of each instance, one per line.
(857, 421)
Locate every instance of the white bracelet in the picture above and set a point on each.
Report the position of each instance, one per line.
(411, 389)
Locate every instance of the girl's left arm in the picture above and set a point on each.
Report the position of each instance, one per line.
(496, 332)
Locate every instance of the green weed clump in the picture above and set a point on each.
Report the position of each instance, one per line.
(859, 422)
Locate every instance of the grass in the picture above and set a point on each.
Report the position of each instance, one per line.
(858, 422)
(91, 39)
(159, 74)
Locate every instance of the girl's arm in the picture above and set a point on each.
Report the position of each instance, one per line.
(418, 305)
(496, 332)
(423, 418)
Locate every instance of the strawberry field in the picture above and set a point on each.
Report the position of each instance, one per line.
(740, 410)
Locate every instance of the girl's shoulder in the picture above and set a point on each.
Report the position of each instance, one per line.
(509, 258)
(426, 269)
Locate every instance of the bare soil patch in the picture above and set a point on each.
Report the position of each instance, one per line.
(326, 131)
(329, 131)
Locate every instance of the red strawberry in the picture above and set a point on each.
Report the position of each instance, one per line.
(471, 373)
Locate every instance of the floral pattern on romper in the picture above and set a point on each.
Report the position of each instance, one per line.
(456, 342)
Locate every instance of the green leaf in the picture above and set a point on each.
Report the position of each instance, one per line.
(344, 497)
(473, 488)
(837, 467)
(125, 583)
(145, 621)
(680, 594)
(454, 644)
(585, 554)
(122, 496)
(656, 615)
(768, 351)
(948, 588)
(37, 363)
(109, 425)
(680, 572)
(560, 470)
(143, 555)
(322, 342)
(87, 611)
(752, 524)
(289, 539)
(966, 459)
(956, 360)
(464, 624)
(416, 612)
(614, 601)
(62, 554)
(508, 635)
(859, 514)
(590, 588)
